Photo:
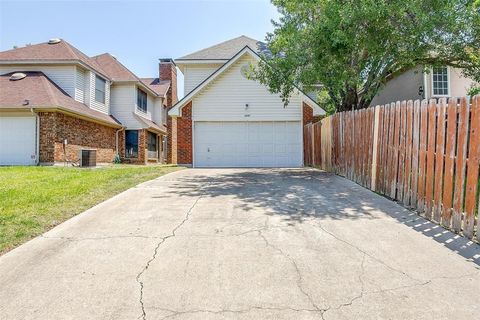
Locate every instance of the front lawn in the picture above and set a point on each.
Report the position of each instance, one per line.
(34, 199)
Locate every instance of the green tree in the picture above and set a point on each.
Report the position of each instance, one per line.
(350, 47)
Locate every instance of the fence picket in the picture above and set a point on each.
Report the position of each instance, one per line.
(391, 151)
(383, 168)
(396, 144)
(472, 169)
(430, 172)
(422, 161)
(415, 151)
(439, 155)
(408, 153)
(460, 165)
(451, 135)
(402, 147)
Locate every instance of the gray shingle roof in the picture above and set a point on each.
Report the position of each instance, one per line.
(114, 69)
(62, 51)
(227, 49)
(160, 87)
(43, 93)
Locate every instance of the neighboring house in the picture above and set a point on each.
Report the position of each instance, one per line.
(138, 104)
(229, 120)
(56, 101)
(439, 82)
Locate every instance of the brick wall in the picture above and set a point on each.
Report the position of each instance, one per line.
(168, 71)
(184, 136)
(142, 146)
(307, 114)
(55, 127)
(308, 117)
(172, 140)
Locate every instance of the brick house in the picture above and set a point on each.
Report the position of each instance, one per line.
(227, 119)
(56, 101)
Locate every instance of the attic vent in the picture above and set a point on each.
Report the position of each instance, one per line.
(17, 76)
(54, 41)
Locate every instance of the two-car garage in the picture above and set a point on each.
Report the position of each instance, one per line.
(18, 136)
(247, 144)
(229, 119)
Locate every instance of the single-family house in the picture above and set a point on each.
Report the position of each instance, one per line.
(226, 119)
(55, 101)
(421, 83)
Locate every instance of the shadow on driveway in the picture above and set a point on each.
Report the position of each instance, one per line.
(300, 194)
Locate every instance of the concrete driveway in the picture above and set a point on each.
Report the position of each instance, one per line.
(243, 244)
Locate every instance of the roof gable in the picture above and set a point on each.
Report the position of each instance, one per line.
(61, 51)
(114, 69)
(175, 111)
(227, 49)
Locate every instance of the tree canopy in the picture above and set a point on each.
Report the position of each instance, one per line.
(351, 47)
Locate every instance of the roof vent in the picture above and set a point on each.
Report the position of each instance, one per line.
(17, 76)
(54, 41)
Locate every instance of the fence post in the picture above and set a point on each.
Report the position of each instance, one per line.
(375, 147)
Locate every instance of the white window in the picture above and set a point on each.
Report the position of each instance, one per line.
(141, 100)
(441, 82)
(99, 89)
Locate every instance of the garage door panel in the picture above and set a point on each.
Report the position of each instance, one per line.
(17, 140)
(248, 144)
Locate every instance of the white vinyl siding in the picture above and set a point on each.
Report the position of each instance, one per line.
(195, 74)
(123, 103)
(62, 76)
(102, 107)
(158, 113)
(226, 97)
(80, 85)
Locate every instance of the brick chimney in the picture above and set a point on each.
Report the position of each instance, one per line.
(168, 71)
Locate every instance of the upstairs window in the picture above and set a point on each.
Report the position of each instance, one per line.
(141, 100)
(440, 81)
(100, 89)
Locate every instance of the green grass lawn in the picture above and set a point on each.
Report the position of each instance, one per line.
(34, 199)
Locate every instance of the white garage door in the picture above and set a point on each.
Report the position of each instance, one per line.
(17, 140)
(248, 144)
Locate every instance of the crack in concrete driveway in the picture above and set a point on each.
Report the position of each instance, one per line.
(259, 244)
(155, 252)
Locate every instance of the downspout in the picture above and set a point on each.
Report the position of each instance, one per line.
(116, 139)
(37, 140)
(425, 84)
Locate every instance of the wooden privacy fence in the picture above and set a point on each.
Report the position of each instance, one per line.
(424, 154)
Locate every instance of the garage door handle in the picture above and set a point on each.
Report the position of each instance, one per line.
(208, 149)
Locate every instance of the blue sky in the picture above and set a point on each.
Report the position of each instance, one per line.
(137, 32)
